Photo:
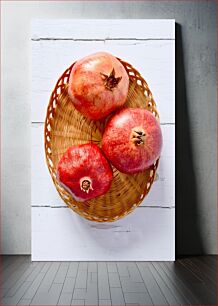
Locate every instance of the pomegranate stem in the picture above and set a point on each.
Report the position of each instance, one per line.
(138, 136)
(110, 81)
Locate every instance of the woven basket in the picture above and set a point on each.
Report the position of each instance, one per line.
(65, 126)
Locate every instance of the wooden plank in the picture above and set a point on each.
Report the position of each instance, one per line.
(24, 302)
(178, 293)
(209, 273)
(209, 281)
(167, 291)
(195, 285)
(94, 277)
(117, 297)
(82, 274)
(28, 276)
(111, 267)
(92, 293)
(155, 60)
(130, 286)
(48, 279)
(103, 281)
(122, 269)
(53, 236)
(212, 258)
(78, 302)
(31, 291)
(152, 286)
(72, 272)
(134, 272)
(193, 300)
(17, 296)
(69, 285)
(48, 298)
(16, 275)
(209, 262)
(105, 302)
(6, 261)
(103, 29)
(65, 298)
(114, 280)
(38, 268)
(92, 267)
(62, 272)
(161, 194)
(140, 298)
(79, 294)
(165, 283)
(16, 264)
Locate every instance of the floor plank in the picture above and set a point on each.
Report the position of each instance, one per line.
(187, 281)
(179, 284)
(62, 273)
(155, 292)
(210, 274)
(17, 273)
(201, 289)
(28, 276)
(48, 298)
(12, 268)
(65, 298)
(17, 296)
(6, 261)
(168, 293)
(197, 287)
(209, 262)
(31, 291)
(117, 296)
(177, 291)
(103, 282)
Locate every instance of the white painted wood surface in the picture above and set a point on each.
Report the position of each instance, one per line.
(149, 232)
(153, 58)
(103, 29)
(145, 234)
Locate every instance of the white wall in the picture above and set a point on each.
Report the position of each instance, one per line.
(198, 21)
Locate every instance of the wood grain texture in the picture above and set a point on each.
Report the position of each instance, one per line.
(154, 59)
(110, 283)
(59, 234)
(103, 29)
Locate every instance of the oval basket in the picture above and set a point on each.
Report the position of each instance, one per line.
(65, 126)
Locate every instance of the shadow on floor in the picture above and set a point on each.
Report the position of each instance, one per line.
(188, 234)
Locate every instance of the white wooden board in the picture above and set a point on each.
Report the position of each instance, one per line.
(162, 192)
(149, 232)
(58, 234)
(103, 29)
(153, 58)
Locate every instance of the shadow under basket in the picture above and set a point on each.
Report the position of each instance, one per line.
(65, 126)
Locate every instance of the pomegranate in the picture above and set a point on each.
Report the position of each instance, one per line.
(132, 140)
(84, 172)
(98, 85)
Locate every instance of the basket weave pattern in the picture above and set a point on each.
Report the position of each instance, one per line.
(65, 126)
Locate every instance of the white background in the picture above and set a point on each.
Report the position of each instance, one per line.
(196, 94)
(149, 232)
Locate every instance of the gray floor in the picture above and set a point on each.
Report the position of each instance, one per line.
(188, 281)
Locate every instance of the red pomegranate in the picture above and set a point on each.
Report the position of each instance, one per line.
(98, 85)
(132, 140)
(84, 172)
